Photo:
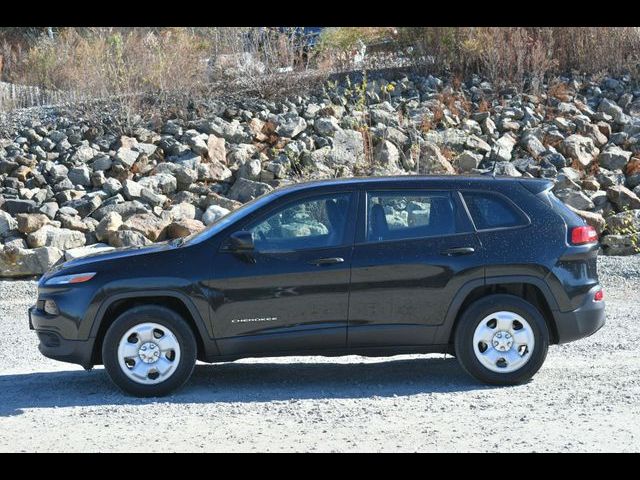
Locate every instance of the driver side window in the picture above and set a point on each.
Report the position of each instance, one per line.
(319, 222)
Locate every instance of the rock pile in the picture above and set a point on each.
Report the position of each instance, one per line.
(68, 186)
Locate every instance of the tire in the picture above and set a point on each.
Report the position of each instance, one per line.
(494, 353)
(169, 351)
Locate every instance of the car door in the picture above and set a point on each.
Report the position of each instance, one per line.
(414, 250)
(291, 292)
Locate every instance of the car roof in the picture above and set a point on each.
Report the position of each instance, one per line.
(441, 181)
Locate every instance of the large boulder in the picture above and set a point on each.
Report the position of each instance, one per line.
(623, 198)
(213, 213)
(620, 244)
(109, 224)
(128, 238)
(184, 228)
(160, 183)
(148, 224)
(432, 161)
(7, 224)
(19, 262)
(348, 149)
(614, 158)
(30, 222)
(290, 125)
(244, 190)
(50, 236)
(216, 149)
(579, 148)
(575, 199)
(596, 220)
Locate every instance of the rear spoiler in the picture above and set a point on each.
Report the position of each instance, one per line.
(537, 186)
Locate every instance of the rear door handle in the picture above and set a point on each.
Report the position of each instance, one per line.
(326, 261)
(458, 251)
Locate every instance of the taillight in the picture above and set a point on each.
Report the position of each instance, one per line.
(598, 296)
(581, 235)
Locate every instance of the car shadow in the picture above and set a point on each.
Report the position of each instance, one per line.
(243, 382)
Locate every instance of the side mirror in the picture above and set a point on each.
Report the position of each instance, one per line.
(241, 242)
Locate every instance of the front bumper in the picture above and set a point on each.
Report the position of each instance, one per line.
(581, 322)
(53, 345)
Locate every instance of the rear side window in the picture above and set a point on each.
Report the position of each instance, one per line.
(491, 211)
(397, 215)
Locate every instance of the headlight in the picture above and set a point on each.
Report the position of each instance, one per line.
(69, 279)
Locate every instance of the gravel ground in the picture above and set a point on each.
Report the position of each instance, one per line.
(585, 397)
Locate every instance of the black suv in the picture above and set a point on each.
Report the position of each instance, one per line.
(491, 270)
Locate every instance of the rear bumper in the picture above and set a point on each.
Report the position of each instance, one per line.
(54, 346)
(581, 322)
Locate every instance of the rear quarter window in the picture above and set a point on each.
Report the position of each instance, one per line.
(489, 210)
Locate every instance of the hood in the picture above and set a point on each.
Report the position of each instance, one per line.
(92, 260)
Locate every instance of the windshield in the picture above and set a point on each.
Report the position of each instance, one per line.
(227, 220)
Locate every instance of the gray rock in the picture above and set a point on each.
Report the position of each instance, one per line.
(131, 189)
(7, 224)
(580, 148)
(80, 176)
(614, 158)
(532, 145)
(386, 155)
(326, 126)
(290, 125)
(624, 222)
(83, 154)
(49, 209)
(128, 238)
(112, 186)
(250, 169)
(348, 149)
(432, 161)
(160, 183)
(503, 147)
(50, 236)
(86, 205)
(14, 206)
(213, 213)
(244, 190)
(575, 199)
(619, 244)
(611, 108)
(467, 161)
(622, 197)
(109, 224)
(125, 209)
(126, 157)
(19, 262)
(101, 163)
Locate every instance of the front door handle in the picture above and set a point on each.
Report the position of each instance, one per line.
(458, 251)
(326, 261)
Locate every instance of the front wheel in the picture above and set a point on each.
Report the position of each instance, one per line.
(149, 351)
(501, 340)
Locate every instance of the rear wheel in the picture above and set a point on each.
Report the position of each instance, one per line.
(501, 340)
(149, 351)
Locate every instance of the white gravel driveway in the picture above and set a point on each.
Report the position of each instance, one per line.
(585, 398)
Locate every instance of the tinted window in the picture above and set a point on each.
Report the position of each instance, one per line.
(399, 215)
(491, 211)
(309, 223)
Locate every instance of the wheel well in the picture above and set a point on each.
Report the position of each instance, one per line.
(120, 306)
(527, 291)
